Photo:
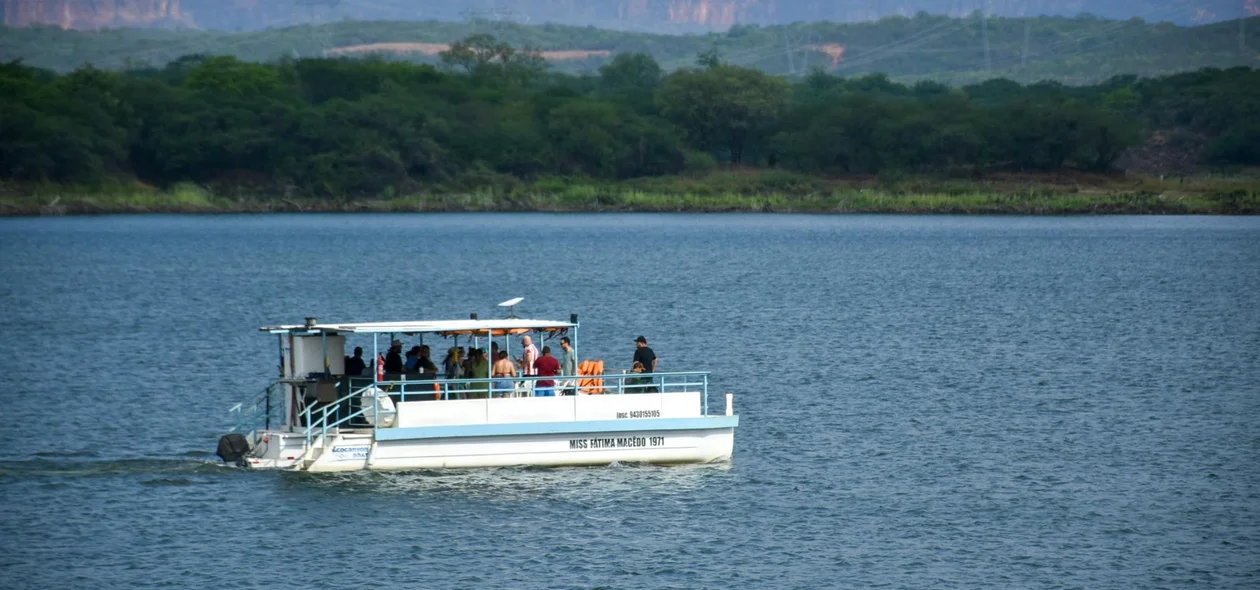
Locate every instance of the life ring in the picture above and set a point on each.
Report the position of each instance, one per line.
(383, 403)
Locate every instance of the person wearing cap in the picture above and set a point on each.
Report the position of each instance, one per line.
(393, 359)
(644, 354)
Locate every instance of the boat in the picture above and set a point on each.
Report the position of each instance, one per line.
(313, 417)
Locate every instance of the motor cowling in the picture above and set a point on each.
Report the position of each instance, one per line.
(233, 448)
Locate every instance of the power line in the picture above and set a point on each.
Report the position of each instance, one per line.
(1023, 55)
(1046, 52)
(903, 45)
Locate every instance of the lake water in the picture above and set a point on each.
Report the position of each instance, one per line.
(926, 402)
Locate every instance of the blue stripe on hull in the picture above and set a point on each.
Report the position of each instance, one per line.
(632, 425)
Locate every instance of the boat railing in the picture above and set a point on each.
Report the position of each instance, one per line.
(259, 413)
(417, 389)
(319, 419)
(316, 419)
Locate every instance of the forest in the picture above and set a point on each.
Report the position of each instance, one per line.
(491, 114)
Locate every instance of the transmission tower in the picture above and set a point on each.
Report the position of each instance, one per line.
(498, 18)
(1023, 55)
(984, 33)
(320, 37)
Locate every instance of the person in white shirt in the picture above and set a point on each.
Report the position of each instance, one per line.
(529, 356)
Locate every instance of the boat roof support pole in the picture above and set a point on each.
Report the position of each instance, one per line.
(577, 360)
(376, 358)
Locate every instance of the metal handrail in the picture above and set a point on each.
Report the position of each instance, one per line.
(322, 422)
(612, 383)
(249, 418)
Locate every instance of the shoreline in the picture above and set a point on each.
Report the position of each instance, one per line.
(729, 191)
(263, 209)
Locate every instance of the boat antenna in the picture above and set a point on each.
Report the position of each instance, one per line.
(510, 304)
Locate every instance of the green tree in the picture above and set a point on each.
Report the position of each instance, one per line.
(632, 78)
(602, 139)
(725, 107)
(228, 77)
(485, 57)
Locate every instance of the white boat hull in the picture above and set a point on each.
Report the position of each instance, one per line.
(355, 452)
(661, 428)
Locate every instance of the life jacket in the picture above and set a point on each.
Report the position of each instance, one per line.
(591, 385)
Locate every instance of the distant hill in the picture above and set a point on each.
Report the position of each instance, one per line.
(1072, 50)
(646, 15)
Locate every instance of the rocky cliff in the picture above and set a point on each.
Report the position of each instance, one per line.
(637, 14)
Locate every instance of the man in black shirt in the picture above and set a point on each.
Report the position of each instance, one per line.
(393, 358)
(355, 364)
(643, 354)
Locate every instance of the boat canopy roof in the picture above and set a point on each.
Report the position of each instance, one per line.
(443, 327)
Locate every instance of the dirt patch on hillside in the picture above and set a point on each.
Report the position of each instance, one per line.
(833, 50)
(425, 48)
(436, 48)
(576, 54)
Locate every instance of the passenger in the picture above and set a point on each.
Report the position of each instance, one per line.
(453, 364)
(644, 354)
(634, 383)
(529, 355)
(480, 370)
(393, 359)
(494, 352)
(504, 372)
(568, 367)
(453, 368)
(355, 364)
(424, 364)
(546, 366)
(413, 356)
(639, 384)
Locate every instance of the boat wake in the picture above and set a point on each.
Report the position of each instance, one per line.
(63, 465)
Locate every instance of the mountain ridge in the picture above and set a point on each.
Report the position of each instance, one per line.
(952, 51)
(645, 15)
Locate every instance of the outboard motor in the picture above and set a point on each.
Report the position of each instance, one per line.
(232, 448)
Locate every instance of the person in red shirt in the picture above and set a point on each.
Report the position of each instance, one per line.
(546, 366)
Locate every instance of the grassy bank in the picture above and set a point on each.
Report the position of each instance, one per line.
(721, 191)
